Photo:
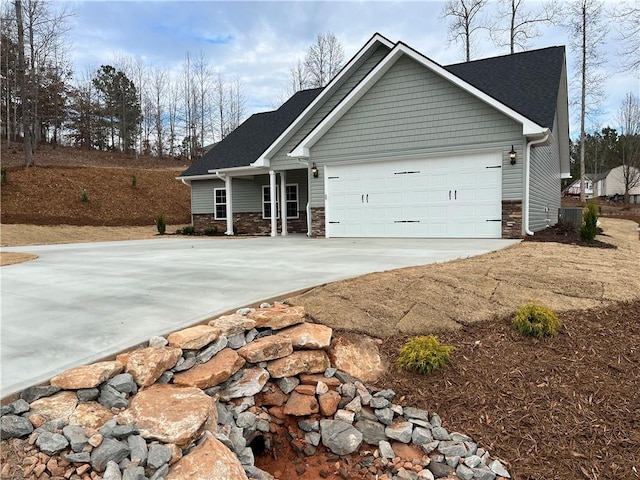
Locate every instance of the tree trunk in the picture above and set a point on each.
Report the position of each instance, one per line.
(583, 102)
(26, 108)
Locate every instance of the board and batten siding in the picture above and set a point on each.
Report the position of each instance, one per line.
(280, 160)
(544, 186)
(247, 192)
(413, 111)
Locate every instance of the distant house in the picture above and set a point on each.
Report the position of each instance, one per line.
(397, 145)
(609, 184)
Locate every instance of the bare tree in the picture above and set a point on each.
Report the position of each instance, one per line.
(323, 60)
(464, 22)
(172, 116)
(629, 120)
(588, 29)
(22, 78)
(627, 24)
(158, 84)
(523, 23)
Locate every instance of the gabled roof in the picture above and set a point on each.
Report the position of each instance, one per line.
(252, 137)
(529, 127)
(596, 177)
(509, 80)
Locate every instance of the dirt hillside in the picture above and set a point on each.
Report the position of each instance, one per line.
(73, 187)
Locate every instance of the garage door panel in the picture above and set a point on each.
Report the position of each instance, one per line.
(441, 197)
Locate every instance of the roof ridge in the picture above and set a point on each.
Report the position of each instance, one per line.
(524, 52)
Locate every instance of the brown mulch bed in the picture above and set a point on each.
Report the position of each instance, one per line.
(568, 236)
(560, 408)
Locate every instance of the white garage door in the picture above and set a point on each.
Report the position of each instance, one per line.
(447, 197)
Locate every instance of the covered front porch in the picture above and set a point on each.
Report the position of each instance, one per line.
(241, 201)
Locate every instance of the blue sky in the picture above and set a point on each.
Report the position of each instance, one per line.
(258, 41)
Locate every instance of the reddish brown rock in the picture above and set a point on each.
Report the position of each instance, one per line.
(306, 389)
(314, 378)
(301, 405)
(61, 405)
(232, 324)
(266, 348)
(87, 376)
(357, 356)
(169, 413)
(148, 364)
(309, 336)
(212, 373)
(90, 414)
(209, 460)
(329, 403)
(300, 361)
(277, 317)
(273, 396)
(193, 338)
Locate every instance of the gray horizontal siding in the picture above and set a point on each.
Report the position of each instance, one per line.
(544, 187)
(280, 160)
(247, 192)
(412, 111)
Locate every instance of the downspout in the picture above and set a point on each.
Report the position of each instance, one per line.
(527, 174)
(308, 208)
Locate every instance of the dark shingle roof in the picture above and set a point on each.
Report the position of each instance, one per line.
(247, 142)
(595, 177)
(527, 82)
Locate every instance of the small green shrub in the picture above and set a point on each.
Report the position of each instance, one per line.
(209, 231)
(84, 196)
(589, 227)
(533, 320)
(3, 175)
(424, 355)
(161, 224)
(188, 230)
(134, 181)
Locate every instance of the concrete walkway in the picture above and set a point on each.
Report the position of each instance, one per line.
(79, 303)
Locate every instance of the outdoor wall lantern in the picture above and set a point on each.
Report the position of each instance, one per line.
(314, 170)
(512, 155)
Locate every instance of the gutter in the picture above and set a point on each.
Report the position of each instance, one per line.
(527, 175)
(308, 208)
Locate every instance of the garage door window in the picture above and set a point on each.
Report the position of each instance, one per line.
(220, 203)
(292, 202)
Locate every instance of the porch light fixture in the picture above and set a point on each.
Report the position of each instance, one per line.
(512, 155)
(314, 170)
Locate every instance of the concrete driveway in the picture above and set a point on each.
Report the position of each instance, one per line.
(79, 303)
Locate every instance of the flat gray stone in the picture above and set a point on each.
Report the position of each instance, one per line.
(411, 412)
(138, 450)
(79, 457)
(372, 432)
(109, 450)
(385, 450)
(400, 431)
(308, 425)
(440, 470)
(88, 394)
(472, 461)
(112, 398)
(421, 435)
(379, 402)
(76, 436)
(158, 455)
(14, 426)
(387, 393)
(246, 456)
(185, 364)
(430, 447)
(158, 341)
(247, 420)
(313, 438)
(340, 437)
(483, 473)
(464, 472)
(208, 353)
(112, 471)
(31, 394)
(440, 433)
(123, 431)
(237, 341)
(133, 473)
(123, 383)
(5, 410)
(20, 406)
(497, 468)
(51, 443)
(435, 420)
(385, 415)
(160, 473)
(452, 460)
(451, 448)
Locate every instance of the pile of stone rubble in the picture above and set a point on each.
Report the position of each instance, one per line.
(195, 405)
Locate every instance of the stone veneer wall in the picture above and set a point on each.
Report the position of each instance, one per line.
(250, 223)
(317, 222)
(511, 219)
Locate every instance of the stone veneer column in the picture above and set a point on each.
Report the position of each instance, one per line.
(317, 222)
(512, 219)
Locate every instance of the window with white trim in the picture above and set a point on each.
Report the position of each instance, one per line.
(220, 203)
(291, 199)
